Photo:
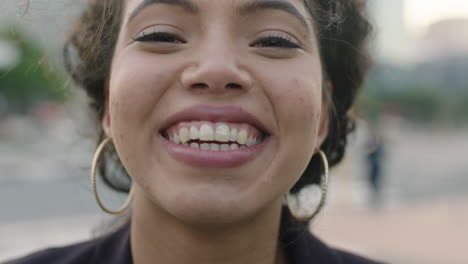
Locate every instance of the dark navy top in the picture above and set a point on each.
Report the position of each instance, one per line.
(114, 248)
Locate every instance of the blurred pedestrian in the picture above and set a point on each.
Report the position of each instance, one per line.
(375, 161)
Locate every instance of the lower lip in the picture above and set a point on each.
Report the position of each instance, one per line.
(213, 159)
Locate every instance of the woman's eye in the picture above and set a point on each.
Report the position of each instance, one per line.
(279, 41)
(159, 37)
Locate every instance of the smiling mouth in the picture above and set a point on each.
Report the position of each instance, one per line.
(211, 136)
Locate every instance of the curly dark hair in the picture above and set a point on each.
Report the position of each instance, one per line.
(342, 31)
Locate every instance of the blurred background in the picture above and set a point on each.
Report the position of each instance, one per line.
(401, 195)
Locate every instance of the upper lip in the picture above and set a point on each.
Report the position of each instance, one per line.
(234, 114)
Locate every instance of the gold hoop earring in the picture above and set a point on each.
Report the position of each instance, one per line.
(322, 198)
(93, 182)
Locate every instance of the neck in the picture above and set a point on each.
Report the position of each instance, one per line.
(157, 237)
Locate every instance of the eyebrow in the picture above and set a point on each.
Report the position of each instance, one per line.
(244, 10)
(255, 6)
(184, 4)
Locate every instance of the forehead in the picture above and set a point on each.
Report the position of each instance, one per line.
(203, 4)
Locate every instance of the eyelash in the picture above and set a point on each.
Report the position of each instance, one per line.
(275, 41)
(159, 37)
(278, 41)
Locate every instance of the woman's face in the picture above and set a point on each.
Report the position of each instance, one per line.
(238, 80)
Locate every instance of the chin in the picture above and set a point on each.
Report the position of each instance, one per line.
(208, 208)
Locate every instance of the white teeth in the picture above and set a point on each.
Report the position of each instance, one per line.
(225, 147)
(214, 147)
(217, 147)
(233, 135)
(205, 146)
(234, 146)
(222, 133)
(206, 133)
(184, 135)
(194, 133)
(242, 137)
(176, 139)
(249, 142)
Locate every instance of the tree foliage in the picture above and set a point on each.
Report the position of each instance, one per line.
(33, 79)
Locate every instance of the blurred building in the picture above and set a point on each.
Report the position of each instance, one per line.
(443, 40)
(392, 43)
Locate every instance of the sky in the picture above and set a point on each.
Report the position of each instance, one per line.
(421, 13)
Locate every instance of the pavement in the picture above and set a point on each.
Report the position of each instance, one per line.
(432, 231)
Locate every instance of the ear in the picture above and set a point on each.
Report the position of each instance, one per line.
(106, 119)
(325, 114)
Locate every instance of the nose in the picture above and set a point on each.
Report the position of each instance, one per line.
(216, 70)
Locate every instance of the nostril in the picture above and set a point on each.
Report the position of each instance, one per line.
(199, 85)
(233, 85)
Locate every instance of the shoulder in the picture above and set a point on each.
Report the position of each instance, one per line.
(303, 247)
(112, 248)
(348, 258)
(339, 256)
(72, 254)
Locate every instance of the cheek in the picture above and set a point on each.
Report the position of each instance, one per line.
(298, 102)
(294, 91)
(134, 95)
(135, 91)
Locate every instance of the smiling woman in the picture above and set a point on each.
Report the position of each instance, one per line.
(218, 111)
